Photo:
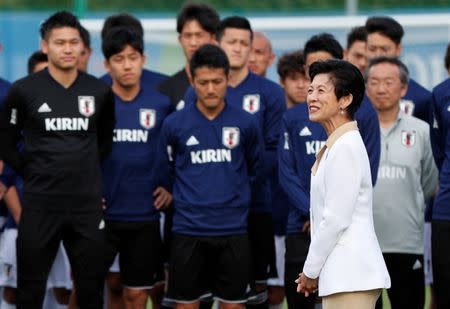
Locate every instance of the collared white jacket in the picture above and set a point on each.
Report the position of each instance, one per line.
(344, 251)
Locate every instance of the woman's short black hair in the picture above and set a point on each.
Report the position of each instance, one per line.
(346, 78)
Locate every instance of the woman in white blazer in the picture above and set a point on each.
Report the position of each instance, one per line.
(344, 260)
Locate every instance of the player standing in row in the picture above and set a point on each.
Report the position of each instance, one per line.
(407, 179)
(265, 100)
(149, 78)
(66, 118)
(356, 50)
(440, 224)
(215, 150)
(261, 56)
(131, 176)
(384, 38)
(196, 25)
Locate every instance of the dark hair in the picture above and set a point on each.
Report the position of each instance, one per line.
(35, 58)
(404, 73)
(356, 34)
(59, 20)
(237, 22)
(346, 78)
(447, 58)
(122, 20)
(85, 37)
(324, 42)
(210, 56)
(205, 15)
(386, 26)
(291, 63)
(118, 38)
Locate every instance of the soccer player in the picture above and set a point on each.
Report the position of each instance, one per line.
(131, 182)
(215, 150)
(384, 36)
(301, 141)
(407, 179)
(291, 70)
(148, 78)
(356, 50)
(66, 118)
(440, 224)
(87, 50)
(264, 100)
(447, 59)
(37, 62)
(293, 78)
(196, 25)
(261, 56)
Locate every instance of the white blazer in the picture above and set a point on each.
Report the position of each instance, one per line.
(344, 251)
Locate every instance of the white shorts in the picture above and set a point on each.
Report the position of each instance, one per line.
(59, 274)
(280, 250)
(428, 270)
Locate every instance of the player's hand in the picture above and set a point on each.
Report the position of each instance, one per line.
(163, 198)
(306, 227)
(306, 285)
(3, 190)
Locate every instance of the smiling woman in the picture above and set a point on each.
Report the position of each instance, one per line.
(342, 232)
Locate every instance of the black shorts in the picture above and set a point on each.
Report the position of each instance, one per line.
(199, 266)
(139, 247)
(262, 244)
(407, 280)
(297, 245)
(440, 231)
(45, 221)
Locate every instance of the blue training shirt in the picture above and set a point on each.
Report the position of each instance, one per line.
(301, 141)
(215, 164)
(264, 100)
(440, 144)
(133, 171)
(9, 178)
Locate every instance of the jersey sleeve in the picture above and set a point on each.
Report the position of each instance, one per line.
(429, 177)
(437, 129)
(272, 127)
(105, 126)
(369, 128)
(288, 174)
(166, 156)
(11, 125)
(253, 151)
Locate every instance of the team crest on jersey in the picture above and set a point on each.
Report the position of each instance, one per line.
(251, 103)
(230, 137)
(407, 107)
(408, 138)
(86, 105)
(147, 118)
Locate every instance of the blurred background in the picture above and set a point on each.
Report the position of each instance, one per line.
(288, 24)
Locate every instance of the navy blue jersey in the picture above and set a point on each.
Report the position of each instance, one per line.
(265, 100)
(132, 172)
(9, 178)
(418, 99)
(149, 79)
(301, 141)
(440, 143)
(215, 164)
(4, 88)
